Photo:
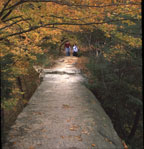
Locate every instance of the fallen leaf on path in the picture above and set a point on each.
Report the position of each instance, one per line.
(124, 144)
(62, 137)
(40, 113)
(78, 138)
(93, 145)
(65, 106)
(12, 136)
(31, 147)
(74, 128)
(68, 121)
(108, 140)
(85, 132)
(14, 143)
(43, 130)
(27, 129)
(37, 113)
(70, 136)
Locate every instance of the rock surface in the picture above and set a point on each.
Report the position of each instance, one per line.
(63, 114)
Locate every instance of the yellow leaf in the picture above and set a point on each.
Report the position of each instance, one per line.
(73, 128)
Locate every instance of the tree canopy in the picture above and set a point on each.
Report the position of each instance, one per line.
(31, 28)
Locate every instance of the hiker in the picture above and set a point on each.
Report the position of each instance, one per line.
(75, 50)
(67, 48)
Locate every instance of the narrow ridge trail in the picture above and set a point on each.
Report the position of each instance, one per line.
(63, 114)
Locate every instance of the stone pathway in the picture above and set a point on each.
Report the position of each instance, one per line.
(63, 114)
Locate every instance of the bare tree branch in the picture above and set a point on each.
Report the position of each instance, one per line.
(7, 14)
(12, 18)
(62, 2)
(65, 30)
(5, 5)
(59, 24)
(11, 8)
(69, 4)
(130, 33)
(14, 23)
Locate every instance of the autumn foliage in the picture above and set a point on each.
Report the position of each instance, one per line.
(32, 28)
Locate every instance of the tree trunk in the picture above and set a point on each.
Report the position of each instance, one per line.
(119, 124)
(20, 85)
(136, 121)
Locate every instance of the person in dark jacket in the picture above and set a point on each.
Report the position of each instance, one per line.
(67, 48)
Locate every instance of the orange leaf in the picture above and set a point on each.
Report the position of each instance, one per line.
(125, 146)
(31, 147)
(93, 145)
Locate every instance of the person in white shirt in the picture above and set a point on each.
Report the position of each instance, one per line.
(75, 50)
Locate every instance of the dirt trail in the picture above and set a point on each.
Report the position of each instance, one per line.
(63, 114)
